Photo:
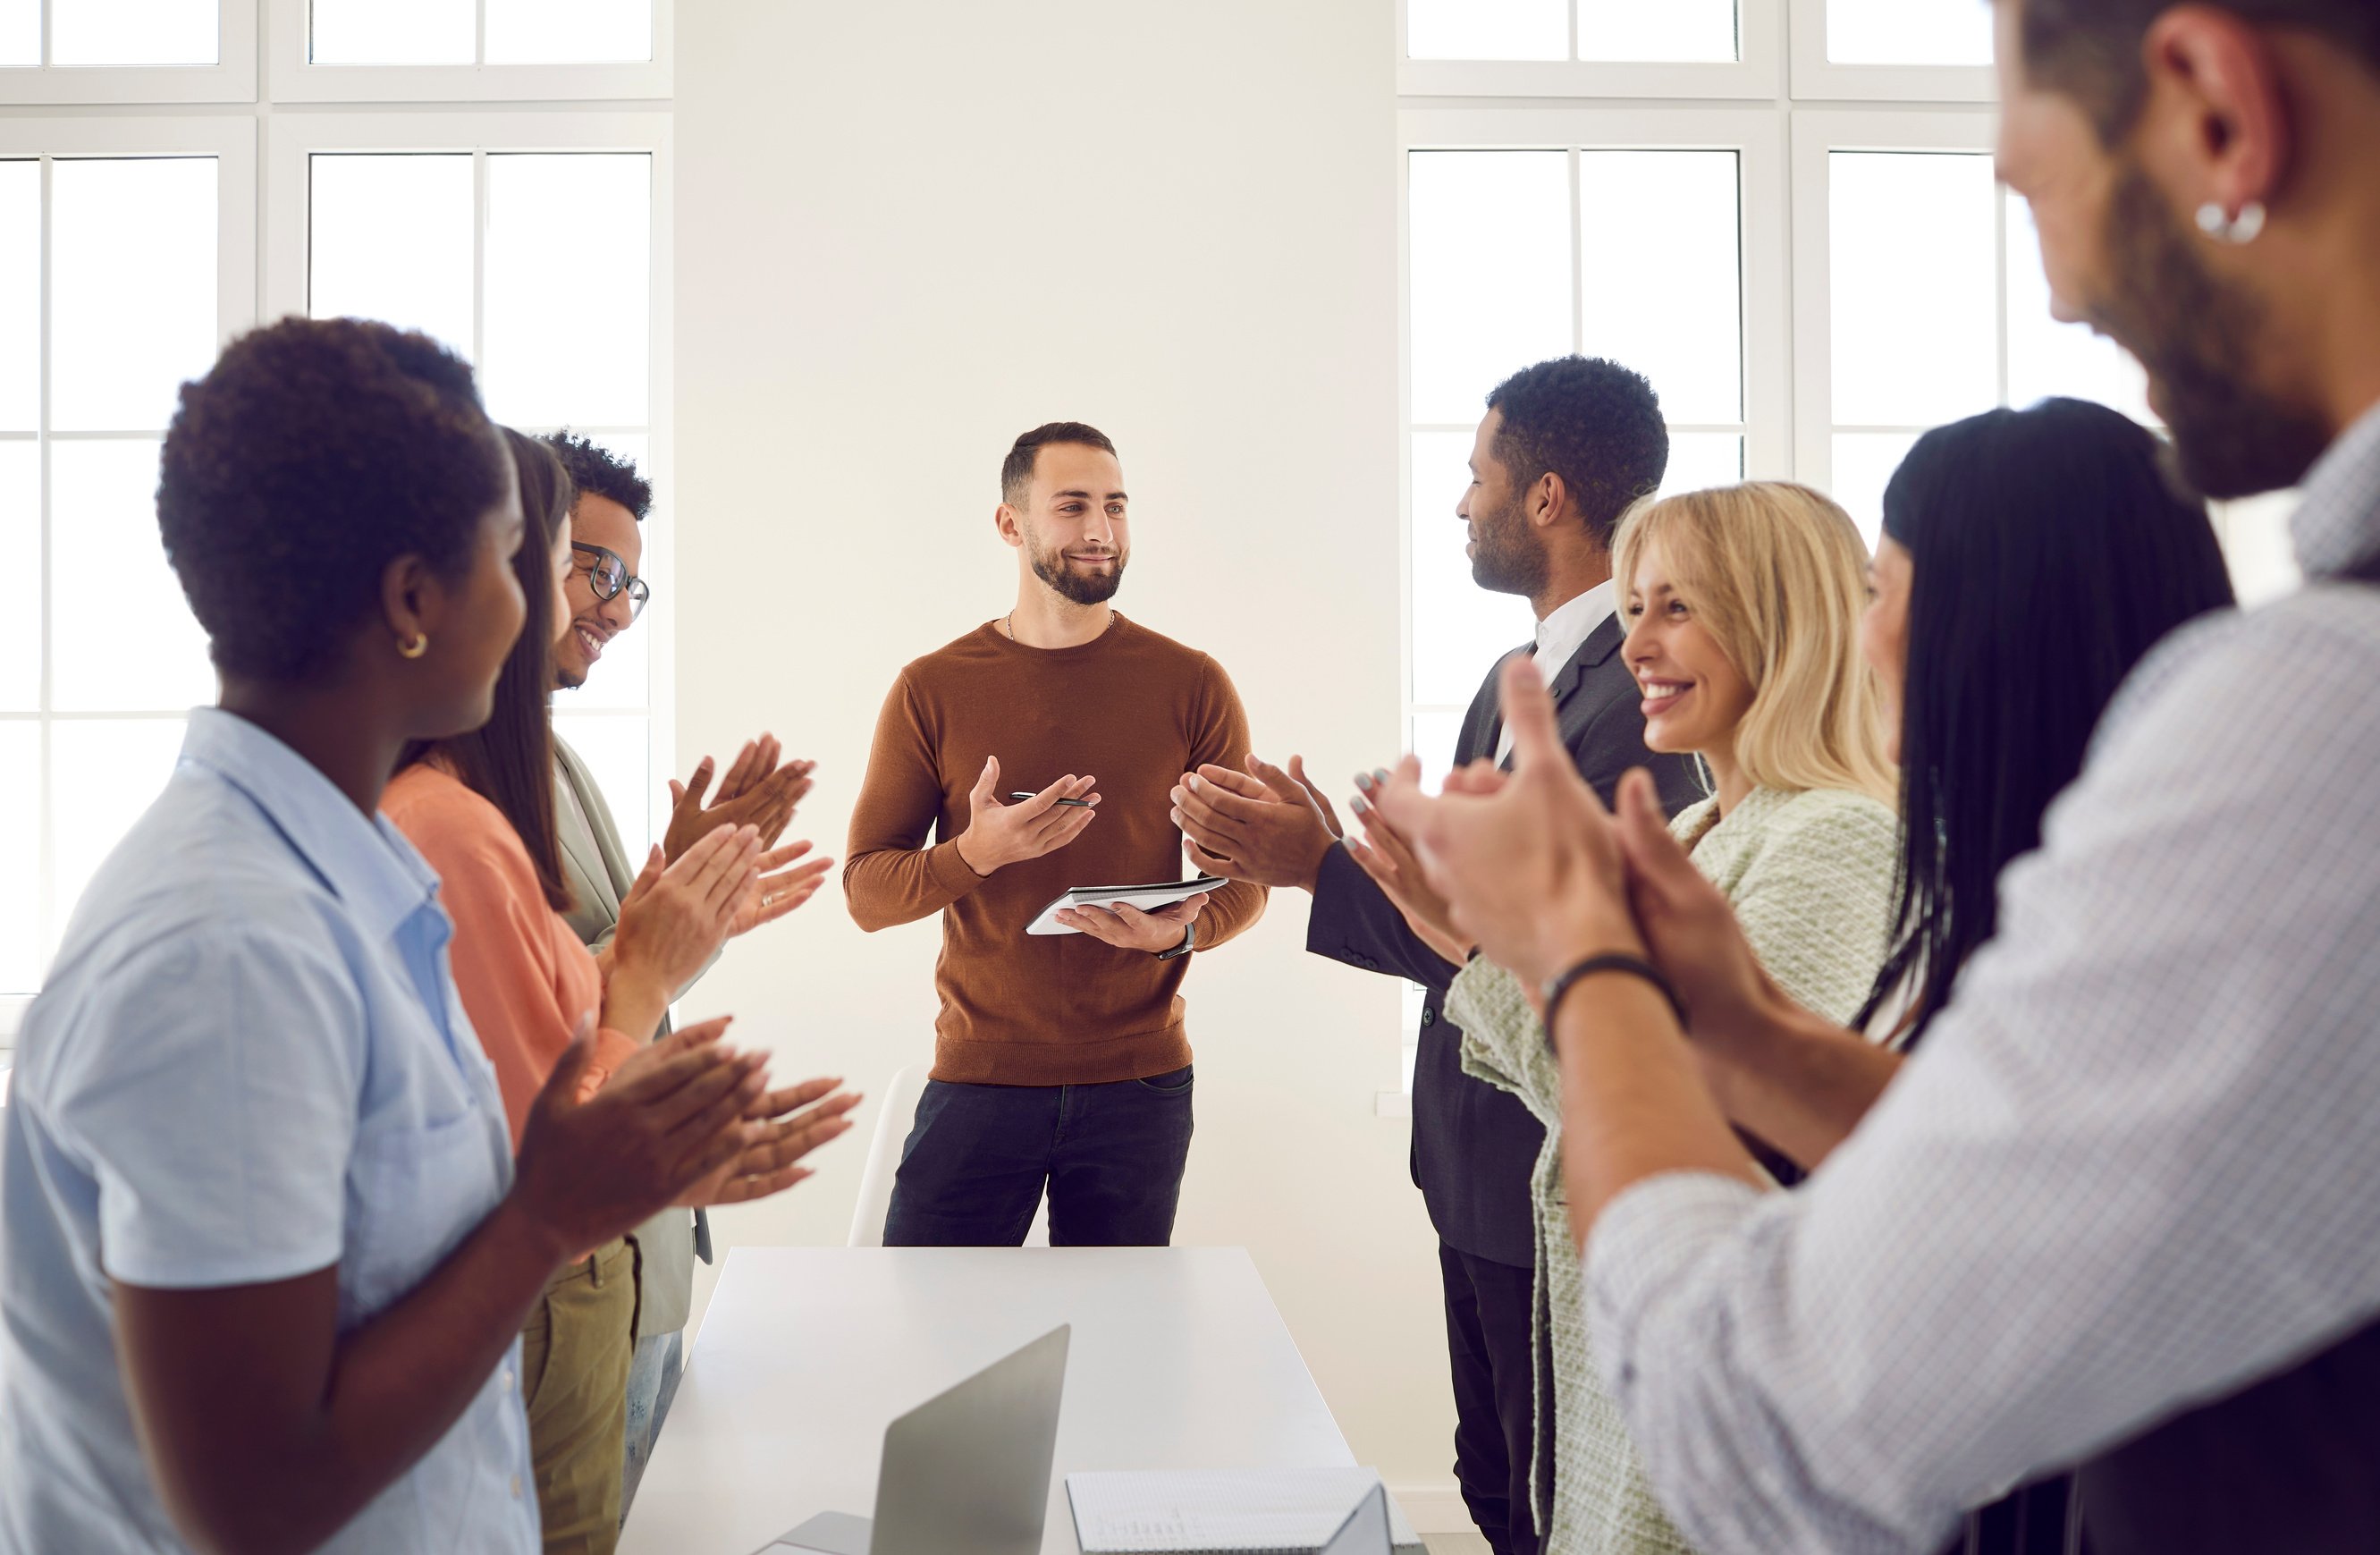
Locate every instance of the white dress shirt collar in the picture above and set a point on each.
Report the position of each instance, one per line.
(1563, 633)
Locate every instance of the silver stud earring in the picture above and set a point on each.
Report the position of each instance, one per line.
(2237, 231)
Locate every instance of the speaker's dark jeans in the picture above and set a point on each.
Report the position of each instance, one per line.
(979, 1157)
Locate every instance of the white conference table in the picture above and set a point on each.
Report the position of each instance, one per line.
(1179, 1360)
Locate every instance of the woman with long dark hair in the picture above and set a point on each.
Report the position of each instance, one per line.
(2030, 560)
(481, 807)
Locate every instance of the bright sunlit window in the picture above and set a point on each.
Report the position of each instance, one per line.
(110, 33)
(1512, 263)
(1940, 310)
(1617, 31)
(463, 246)
(1908, 31)
(99, 659)
(454, 32)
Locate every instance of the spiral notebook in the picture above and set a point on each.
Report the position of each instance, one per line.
(1231, 1512)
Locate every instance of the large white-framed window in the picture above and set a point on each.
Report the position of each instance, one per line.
(535, 245)
(127, 256)
(1581, 49)
(1886, 284)
(1897, 51)
(463, 50)
(538, 246)
(128, 50)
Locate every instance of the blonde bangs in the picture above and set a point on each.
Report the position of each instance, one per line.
(1778, 574)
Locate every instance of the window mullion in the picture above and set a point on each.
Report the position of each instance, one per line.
(44, 845)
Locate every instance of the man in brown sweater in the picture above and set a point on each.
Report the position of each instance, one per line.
(1058, 1061)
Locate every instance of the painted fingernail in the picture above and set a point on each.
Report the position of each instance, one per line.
(1364, 781)
(1361, 808)
(1379, 774)
(1192, 782)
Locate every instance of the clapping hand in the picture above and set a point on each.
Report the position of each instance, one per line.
(1264, 825)
(1532, 870)
(1386, 856)
(756, 791)
(780, 886)
(671, 921)
(780, 1128)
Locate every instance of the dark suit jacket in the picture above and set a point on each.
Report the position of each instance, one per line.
(1473, 1147)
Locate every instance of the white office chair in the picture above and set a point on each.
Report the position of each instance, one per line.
(893, 1118)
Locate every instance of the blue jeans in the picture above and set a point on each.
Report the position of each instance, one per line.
(653, 1375)
(979, 1157)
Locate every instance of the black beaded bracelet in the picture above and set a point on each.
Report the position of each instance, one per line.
(1561, 982)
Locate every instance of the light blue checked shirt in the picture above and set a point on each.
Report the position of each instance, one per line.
(249, 1063)
(2134, 1166)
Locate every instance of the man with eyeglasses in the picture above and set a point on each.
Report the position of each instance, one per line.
(605, 598)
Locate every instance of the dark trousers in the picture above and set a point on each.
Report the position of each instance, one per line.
(1490, 1313)
(979, 1157)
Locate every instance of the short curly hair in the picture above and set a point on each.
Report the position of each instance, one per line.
(313, 454)
(1595, 424)
(593, 467)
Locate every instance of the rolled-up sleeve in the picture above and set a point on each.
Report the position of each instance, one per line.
(2129, 1172)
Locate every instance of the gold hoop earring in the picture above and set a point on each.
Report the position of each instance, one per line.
(417, 648)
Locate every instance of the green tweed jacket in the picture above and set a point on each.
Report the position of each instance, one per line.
(1810, 877)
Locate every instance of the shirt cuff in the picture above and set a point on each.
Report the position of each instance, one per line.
(1644, 1244)
(952, 876)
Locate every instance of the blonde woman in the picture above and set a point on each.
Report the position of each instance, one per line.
(1743, 606)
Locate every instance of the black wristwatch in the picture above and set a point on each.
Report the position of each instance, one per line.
(1189, 942)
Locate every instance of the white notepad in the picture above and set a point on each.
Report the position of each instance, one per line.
(1224, 1511)
(1147, 898)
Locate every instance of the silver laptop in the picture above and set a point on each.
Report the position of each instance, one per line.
(1366, 1532)
(965, 1472)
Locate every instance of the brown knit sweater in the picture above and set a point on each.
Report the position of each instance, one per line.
(1136, 711)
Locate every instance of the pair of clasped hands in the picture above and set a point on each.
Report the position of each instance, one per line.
(1527, 869)
(687, 1121)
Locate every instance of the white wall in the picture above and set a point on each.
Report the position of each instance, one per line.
(906, 232)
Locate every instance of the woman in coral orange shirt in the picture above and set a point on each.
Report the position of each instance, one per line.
(481, 809)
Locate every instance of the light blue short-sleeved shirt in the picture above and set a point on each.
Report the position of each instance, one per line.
(248, 1064)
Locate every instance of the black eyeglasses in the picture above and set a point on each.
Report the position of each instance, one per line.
(607, 575)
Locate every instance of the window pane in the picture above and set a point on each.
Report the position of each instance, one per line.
(570, 31)
(1863, 466)
(2047, 358)
(567, 302)
(1490, 271)
(375, 32)
(20, 857)
(1666, 296)
(20, 296)
(21, 555)
(1669, 30)
(620, 678)
(1488, 28)
(1434, 734)
(1909, 33)
(132, 32)
(1459, 628)
(1701, 460)
(121, 635)
(392, 240)
(132, 288)
(20, 32)
(1914, 254)
(103, 775)
(614, 751)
